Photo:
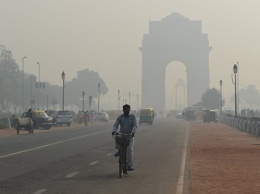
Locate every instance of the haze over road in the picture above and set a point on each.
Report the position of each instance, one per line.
(80, 160)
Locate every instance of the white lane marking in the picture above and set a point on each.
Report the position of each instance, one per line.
(93, 163)
(71, 174)
(180, 182)
(47, 145)
(109, 154)
(40, 191)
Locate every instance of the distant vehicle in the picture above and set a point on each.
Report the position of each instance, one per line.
(209, 116)
(53, 114)
(146, 116)
(39, 119)
(179, 115)
(171, 113)
(228, 112)
(25, 122)
(189, 114)
(62, 117)
(102, 116)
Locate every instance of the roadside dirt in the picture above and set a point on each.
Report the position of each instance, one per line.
(12, 131)
(223, 160)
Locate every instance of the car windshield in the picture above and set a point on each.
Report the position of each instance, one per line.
(63, 113)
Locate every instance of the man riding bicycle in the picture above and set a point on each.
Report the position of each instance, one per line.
(128, 125)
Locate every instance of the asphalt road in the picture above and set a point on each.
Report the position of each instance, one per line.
(80, 160)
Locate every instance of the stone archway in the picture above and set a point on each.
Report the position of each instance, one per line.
(174, 38)
(179, 84)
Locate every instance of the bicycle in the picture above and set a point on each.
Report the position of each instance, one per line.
(123, 141)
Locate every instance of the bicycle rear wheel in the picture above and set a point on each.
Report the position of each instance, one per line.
(124, 168)
(121, 162)
(124, 162)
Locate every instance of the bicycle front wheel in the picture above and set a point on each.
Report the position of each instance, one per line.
(120, 170)
(121, 162)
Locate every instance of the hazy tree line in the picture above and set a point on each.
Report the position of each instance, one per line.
(49, 96)
(248, 98)
(211, 99)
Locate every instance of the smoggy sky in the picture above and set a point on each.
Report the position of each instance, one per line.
(105, 36)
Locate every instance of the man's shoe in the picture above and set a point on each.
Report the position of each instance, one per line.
(130, 168)
(117, 154)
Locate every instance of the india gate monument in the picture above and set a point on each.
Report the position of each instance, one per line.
(174, 38)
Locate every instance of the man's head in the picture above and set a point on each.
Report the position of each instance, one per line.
(126, 109)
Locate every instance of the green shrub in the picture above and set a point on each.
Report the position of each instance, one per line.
(3, 124)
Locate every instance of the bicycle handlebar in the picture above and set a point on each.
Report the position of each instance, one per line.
(123, 134)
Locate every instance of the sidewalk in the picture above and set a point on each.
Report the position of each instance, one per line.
(223, 160)
(7, 132)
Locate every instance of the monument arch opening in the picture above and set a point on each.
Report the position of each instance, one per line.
(174, 38)
(175, 86)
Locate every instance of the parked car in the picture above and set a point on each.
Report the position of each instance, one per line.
(62, 117)
(102, 116)
(179, 115)
(39, 119)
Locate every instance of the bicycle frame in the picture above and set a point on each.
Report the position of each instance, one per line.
(123, 154)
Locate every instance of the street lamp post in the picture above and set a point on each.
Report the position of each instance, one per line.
(118, 99)
(238, 87)
(23, 80)
(235, 72)
(63, 79)
(98, 95)
(137, 102)
(47, 101)
(129, 98)
(220, 83)
(90, 102)
(31, 101)
(83, 97)
(38, 85)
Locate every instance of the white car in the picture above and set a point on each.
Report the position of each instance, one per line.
(62, 117)
(102, 116)
(179, 115)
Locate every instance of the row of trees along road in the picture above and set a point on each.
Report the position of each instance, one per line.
(11, 87)
(248, 98)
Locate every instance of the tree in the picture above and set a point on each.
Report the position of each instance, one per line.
(211, 99)
(11, 87)
(86, 81)
(249, 97)
(10, 79)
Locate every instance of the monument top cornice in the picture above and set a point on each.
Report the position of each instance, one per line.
(174, 16)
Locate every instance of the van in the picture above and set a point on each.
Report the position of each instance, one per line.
(146, 116)
(209, 116)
